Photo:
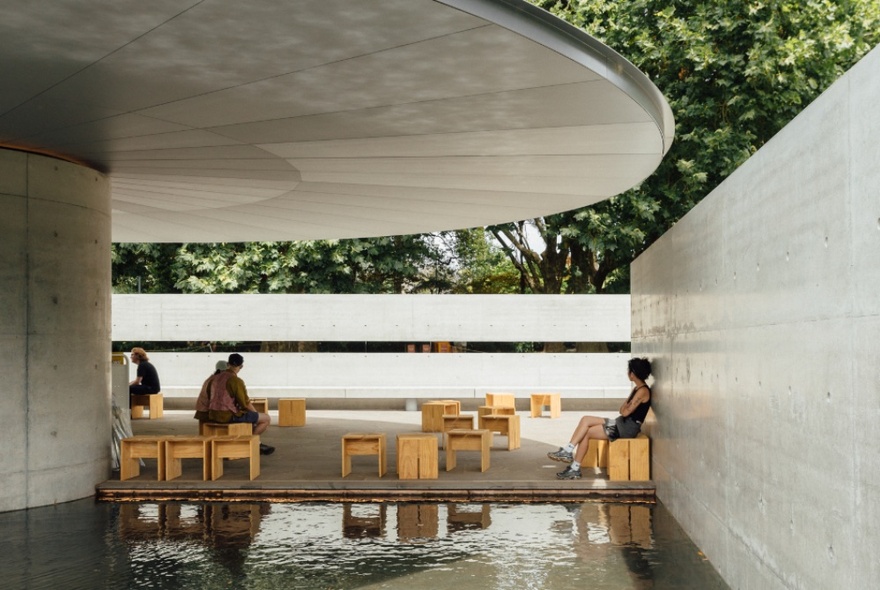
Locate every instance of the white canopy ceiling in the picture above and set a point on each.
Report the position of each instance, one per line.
(223, 120)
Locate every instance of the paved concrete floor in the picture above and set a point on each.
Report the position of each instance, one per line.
(307, 465)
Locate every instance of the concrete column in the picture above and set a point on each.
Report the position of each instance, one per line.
(54, 330)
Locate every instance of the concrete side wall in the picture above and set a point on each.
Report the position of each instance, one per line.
(403, 376)
(761, 312)
(54, 330)
(373, 318)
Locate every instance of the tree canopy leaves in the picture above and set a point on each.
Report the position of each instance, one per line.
(734, 73)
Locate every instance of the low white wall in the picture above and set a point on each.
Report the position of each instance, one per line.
(372, 318)
(761, 311)
(413, 375)
(377, 318)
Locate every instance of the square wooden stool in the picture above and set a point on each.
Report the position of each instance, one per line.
(504, 425)
(186, 447)
(154, 403)
(417, 456)
(235, 447)
(292, 412)
(629, 459)
(501, 400)
(363, 444)
(135, 448)
(539, 400)
(468, 440)
(261, 404)
(226, 429)
(433, 412)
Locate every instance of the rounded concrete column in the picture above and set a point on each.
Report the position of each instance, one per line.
(54, 330)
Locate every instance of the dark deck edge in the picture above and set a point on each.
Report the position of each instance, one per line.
(376, 495)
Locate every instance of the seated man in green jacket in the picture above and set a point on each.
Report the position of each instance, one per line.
(235, 405)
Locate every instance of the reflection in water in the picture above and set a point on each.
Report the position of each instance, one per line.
(339, 546)
(464, 516)
(363, 520)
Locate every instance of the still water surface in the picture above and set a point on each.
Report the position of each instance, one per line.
(326, 546)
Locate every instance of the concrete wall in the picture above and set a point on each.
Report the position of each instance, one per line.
(54, 330)
(381, 318)
(761, 311)
(403, 376)
(373, 318)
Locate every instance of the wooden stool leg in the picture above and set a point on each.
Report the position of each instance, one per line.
(640, 459)
(618, 460)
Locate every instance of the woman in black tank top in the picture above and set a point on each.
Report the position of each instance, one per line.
(627, 425)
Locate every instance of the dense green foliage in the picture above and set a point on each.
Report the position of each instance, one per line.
(375, 265)
(457, 262)
(734, 73)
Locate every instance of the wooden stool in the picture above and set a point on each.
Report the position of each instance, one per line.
(501, 410)
(629, 459)
(154, 402)
(363, 444)
(417, 456)
(235, 447)
(226, 429)
(135, 448)
(261, 404)
(292, 412)
(468, 440)
(539, 400)
(501, 400)
(433, 412)
(186, 447)
(505, 425)
(597, 454)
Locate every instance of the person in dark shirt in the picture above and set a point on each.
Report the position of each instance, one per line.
(627, 425)
(147, 379)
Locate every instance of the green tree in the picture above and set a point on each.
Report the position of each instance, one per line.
(477, 264)
(143, 268)
(373, 265)
(734, 74)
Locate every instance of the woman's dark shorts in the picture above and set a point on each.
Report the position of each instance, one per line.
(621, 427)
(248, 416)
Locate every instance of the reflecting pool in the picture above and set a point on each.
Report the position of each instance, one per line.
(327, 546)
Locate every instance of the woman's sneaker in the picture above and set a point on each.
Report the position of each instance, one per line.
(569, 473)
(561, 455)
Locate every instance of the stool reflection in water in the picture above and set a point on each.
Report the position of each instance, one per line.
(467, 516)
(417, 521)
(363, 520)
(220, 524)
